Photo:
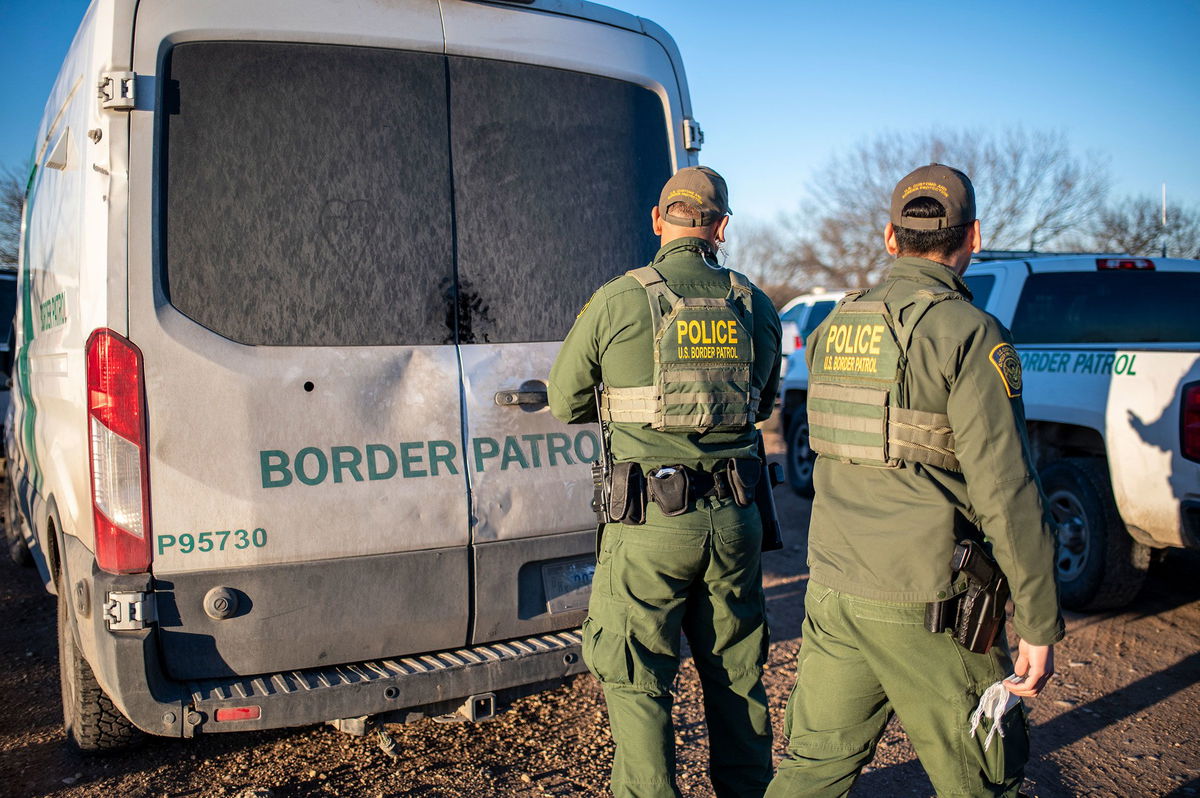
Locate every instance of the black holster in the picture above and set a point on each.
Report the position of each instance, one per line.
(975, 616)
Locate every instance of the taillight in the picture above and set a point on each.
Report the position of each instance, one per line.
(1125, 263)
(117, 449)
(1189, 421)
(799, 342)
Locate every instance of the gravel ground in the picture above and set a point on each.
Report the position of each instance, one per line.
(1122, 719)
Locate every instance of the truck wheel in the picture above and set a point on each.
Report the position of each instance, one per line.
(18, 552)
(1099, 565)
(93, 724)
(800, 457)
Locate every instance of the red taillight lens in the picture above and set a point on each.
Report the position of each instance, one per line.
(1125, 263)
(1189, 426)
(799, 342)
(238, 713)
(117, 449)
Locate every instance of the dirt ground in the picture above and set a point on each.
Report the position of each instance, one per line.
(1122, 719)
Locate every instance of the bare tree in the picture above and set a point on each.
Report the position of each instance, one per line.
(1134, 226)
(1032, 192)
(12, 201)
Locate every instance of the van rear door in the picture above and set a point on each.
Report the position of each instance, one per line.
(557, 161)
(294, 311)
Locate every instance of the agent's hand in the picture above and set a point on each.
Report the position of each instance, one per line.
(1034, 667)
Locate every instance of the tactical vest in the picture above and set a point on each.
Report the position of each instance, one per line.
(857, 409)
(703, 353)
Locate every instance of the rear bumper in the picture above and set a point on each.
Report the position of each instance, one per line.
(128, 666)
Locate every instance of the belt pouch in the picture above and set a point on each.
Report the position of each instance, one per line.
(627, 501)
(942, 615)
(670, 492)
(743, 479)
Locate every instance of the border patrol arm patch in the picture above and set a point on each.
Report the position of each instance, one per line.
(1008, 364)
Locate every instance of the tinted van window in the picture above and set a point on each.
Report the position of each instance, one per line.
(1108, 307)
(981, 288)
(555, 173)
(306, 193)
(819, 311)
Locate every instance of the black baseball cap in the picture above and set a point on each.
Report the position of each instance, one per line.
(937, 181)
(700, 187)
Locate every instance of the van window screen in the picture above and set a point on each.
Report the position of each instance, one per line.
(981, 288)
(306, 193)
(555, 173)
(1108, 307)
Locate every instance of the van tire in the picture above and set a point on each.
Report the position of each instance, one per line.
(801, 459)
(92, 722)
(18, 552)
(1099, 566)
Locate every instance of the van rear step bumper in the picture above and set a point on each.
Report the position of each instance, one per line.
(400, 689)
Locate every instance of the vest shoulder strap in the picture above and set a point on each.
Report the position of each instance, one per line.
(923, 300)
(657, 290)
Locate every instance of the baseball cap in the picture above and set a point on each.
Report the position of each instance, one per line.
(700, 187)
(937, 181)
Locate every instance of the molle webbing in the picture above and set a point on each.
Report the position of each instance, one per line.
(857, 374)
(703, 353)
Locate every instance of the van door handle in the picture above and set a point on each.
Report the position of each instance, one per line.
(526, 398)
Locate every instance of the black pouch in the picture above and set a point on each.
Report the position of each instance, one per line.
(670, 491)
(627, 499)
(942, 615)
(743, 480)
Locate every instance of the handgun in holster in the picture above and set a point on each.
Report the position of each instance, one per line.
(976, 615)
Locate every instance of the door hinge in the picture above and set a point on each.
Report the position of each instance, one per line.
(116, 91)
(693, 136)
(128, 611)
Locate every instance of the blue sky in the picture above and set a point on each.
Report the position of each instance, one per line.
(780, 87)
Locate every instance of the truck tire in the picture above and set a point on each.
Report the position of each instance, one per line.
(18, 552)
(1099, 565)
(800, 457)
(91, 720)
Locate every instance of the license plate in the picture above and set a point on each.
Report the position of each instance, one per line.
(568, 584)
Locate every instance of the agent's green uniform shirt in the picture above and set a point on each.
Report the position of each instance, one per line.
(614, 330)
(889, 533)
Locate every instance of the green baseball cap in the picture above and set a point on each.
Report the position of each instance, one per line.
(700, 187)
(937, 181)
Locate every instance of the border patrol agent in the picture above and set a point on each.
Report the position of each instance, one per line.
(688, 354)
(915, 410)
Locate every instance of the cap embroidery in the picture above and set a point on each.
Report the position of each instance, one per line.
(927, 186)
(692, 195)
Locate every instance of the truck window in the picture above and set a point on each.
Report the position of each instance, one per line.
(819, 311)
(1108, 307)
(981, 286)
(555, 173)
(305, 193)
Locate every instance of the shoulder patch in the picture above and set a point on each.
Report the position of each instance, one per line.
(1008, 364)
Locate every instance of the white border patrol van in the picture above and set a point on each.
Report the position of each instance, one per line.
(292, 277)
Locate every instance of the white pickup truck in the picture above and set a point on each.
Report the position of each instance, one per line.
(1110, 349)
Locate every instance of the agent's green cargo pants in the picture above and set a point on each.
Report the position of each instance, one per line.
(863, 659)
(699, 573)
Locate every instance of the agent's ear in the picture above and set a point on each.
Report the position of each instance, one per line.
(889, 240)
(656, 221)
(976, 237)
(719, 230)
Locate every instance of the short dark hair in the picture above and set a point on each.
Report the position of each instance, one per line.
(942, 243)
(684, 210)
